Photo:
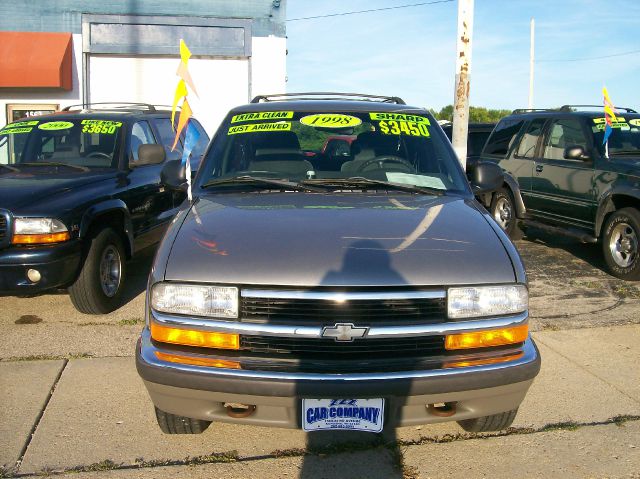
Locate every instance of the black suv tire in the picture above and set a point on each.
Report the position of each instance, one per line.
(620, 243)
(503, 211)
(173, 424)
(100, 282)
(495, 422)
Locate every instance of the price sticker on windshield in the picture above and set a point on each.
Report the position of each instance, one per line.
(330, 120)
(262, 115)
(18, 127)
(55, 125)
(104, 127)
(256, 127)
(407, 128)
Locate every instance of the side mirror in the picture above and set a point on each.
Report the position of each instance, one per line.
(173, 175)
(576, 152)
(485, 177)
(150, 155)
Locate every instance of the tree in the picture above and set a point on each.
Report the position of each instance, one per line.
(477, 114)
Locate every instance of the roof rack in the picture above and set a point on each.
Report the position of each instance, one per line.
(328, 96)
(113, 106)
(570, 107)
(520, 111)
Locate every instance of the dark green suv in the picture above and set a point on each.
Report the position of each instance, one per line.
(559, 176)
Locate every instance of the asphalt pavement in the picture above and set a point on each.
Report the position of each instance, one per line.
(71, 401)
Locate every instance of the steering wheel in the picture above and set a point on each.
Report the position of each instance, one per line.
(379, 160)
(98, 154)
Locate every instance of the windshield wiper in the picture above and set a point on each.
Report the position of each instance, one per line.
(51, 163)
(366, 183)
(247, 180)
(625, 152)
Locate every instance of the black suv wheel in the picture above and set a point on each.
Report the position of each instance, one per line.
(495, 422)
(174, 424)
(99, 285)
(620, 238)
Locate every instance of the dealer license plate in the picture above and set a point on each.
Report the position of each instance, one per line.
(353, 414)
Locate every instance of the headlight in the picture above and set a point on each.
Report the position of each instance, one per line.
(197, 300)
(38, 230)
(472, 302)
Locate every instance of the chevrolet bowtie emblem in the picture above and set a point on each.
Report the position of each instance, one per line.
(344, 332)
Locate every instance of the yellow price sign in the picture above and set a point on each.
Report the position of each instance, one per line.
(262, 115)
(104, 127)
(408, 128)
(330, 120)
(635, 122)
(256, 127)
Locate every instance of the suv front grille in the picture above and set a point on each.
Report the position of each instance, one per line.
(5, 234)
(295, 348)
(323, 312)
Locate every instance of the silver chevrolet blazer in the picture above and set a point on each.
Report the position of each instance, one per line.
(334, 271)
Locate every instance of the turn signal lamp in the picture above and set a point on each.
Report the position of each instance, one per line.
(190, 337)
(194, 361)
(41, 238)
(486, 339)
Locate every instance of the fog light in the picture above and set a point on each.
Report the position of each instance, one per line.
(34, 275)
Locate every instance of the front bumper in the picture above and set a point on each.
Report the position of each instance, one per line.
(200, 392)
(58, 265)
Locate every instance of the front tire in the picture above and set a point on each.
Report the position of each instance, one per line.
(620, 241)
(98, 288)
(503, 211)
(495, 422)
(174, 424)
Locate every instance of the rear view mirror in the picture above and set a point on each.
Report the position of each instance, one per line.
(485, 177)
(150, 155)
(576, 152)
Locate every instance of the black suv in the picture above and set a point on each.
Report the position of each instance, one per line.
(476, 138)
(559, 176)
(81, 192)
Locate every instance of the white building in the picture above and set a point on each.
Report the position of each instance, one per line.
(68, 52)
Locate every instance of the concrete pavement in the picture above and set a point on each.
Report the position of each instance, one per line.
(99, 417)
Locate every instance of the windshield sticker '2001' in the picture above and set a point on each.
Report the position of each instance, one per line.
(255, 127)
(409, 128)
(55, 125)
(330, 120)
(262, 115)
(379, 116)
(104, 127)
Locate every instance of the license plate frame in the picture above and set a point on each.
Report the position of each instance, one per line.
(365, 415)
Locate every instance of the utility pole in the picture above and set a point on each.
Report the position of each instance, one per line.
(463, 70)
(531, 62)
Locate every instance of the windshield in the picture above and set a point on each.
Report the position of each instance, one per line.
(624, 139)
(403, 148)
(82, 142)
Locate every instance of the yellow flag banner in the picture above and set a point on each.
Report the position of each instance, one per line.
(181, 92)
(185, 114)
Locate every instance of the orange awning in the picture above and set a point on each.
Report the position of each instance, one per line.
(35, 60)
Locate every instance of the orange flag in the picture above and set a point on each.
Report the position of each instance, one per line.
(185, 114)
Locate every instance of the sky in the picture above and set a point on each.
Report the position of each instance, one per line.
(410, 52)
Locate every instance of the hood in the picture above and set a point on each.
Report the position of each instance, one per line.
(309, 240)
(29, 185)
